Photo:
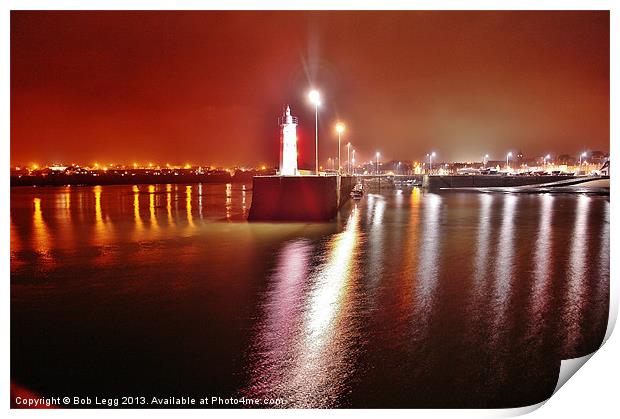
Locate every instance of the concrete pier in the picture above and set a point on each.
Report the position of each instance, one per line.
(298, 198)
(487, 181)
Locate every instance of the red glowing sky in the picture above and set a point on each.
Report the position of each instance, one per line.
(207, 87)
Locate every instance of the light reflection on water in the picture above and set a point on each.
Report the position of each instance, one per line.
(319, 314)
(577, 275)
(302, 355)
(543, 260)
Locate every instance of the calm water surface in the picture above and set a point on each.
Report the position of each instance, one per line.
(408, 299)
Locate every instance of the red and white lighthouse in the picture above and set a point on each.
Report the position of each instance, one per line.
(288, 143)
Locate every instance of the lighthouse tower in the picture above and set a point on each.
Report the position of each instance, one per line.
(288, 143)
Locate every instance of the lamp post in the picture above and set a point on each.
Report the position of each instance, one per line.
(546, 159)
(348, 158)
(339, 130)
(430, 161)
(353, 161)
(377, 157)
(485, 159)
(315, 99)
(508, 156)
(580, 157)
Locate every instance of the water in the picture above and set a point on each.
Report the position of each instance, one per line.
(408, 299)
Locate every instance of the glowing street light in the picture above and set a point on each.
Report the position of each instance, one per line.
(377, 157)
(348, 158)
(430, 160)
(508, 156)
(545, 159)
(315, 99)
(582, 155)
(485, 160)
(339, 130)
(353, 161)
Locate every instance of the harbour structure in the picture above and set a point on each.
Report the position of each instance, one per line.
(291, 196)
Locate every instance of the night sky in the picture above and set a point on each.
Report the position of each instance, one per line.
(207, 87)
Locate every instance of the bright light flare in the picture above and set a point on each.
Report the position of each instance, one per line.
(315, 97)
(340, 127)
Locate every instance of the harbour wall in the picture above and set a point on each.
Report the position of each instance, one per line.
(298, 198)
(487, 181)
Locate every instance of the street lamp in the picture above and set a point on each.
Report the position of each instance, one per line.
(584, 154)
(315, 99)
(545, 159)
(339, 130)
(485, 159)
(348, 158)
(377, 156)
(430, 160)
(509, 155)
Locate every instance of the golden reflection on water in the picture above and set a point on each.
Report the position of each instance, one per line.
(98, 216)
(169, 204)
(243, 204)
(100, 225)
(200, 200)
(67, 201)
(188, 205)
(304, 355)
(228, 200)
(41, 234)
(153, 216)
(136, 208)
(331, 282)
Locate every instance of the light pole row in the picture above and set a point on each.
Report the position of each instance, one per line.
(315, 98)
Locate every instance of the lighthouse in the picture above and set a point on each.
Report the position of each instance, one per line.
(288, 143)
